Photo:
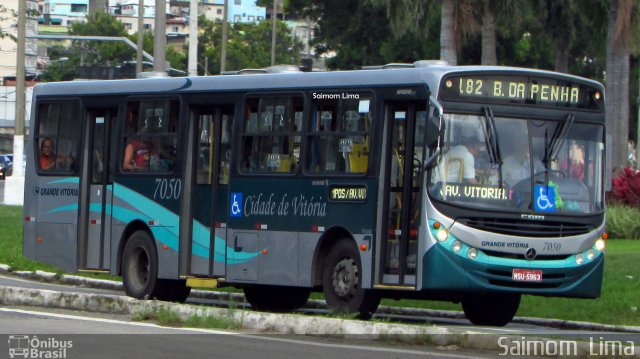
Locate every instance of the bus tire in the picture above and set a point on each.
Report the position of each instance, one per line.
(172, 290)
(140, 267)
(276, 298)
(342, 282)
(491, 309)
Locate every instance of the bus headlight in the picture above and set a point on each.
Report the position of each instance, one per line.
(579, 259)
(472, 253)
(442, 235)
(591, 254)
(600, 244)
(456, 246)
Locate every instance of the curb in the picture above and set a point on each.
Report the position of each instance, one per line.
(319, 304)
(267, 323)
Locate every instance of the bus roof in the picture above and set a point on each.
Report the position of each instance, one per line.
(396, 75)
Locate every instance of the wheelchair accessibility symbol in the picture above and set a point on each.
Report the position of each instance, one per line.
(545, 199)
(235, 205)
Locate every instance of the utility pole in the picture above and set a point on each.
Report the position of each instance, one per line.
(225, 38)
(160, 38)
(274, 16)
(193, 38)
(140, 43)
(18, 137)
(14, 184)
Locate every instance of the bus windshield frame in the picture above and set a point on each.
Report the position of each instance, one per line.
(526, 178)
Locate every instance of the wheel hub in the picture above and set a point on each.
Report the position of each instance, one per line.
(345, 278)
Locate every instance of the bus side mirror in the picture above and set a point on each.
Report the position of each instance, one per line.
(435, 124)
(435, 131)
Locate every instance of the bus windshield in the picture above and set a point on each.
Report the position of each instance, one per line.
(520, 165)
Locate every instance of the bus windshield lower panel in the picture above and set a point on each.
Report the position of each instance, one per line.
(520, 165)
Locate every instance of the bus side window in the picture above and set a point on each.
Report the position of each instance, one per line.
(272, 144)
(58, 137)
(151, 136)
(338, 138)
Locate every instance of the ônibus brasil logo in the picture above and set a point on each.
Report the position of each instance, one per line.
(32, 347)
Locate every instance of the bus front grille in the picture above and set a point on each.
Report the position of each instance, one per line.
(542, 257)
(527, 228)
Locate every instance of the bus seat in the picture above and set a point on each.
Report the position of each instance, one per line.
(460, 163)
(358, 158)
(285, 164)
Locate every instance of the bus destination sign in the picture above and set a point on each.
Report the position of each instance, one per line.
(347, 193)
(518, 89)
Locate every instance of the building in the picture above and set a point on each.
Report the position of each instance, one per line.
(64, 12)
(8, 47)
(8, 61)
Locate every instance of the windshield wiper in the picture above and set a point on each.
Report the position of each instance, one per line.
(491, 136)
(557, 140)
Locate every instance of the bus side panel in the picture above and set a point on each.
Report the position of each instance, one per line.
(56, 244)
(159, 217)
(278, 264)
(50, 235)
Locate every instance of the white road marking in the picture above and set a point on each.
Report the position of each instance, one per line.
(270, 337)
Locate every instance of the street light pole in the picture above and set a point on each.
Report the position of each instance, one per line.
(193, 38)
(274, 16)
(140, 43)
(225, 38)
(160, 39)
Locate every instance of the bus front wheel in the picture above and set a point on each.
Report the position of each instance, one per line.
(491, 309)
(342, 282)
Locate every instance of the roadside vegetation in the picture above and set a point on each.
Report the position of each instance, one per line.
(619, 303)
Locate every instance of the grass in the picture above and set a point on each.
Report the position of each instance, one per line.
(170, 318)
(619, 303)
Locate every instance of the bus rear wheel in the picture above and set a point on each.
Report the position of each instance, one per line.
(172, 290)
(491, 309)
(276, 298)
(140, 266)
(342, 282)
(140, 272)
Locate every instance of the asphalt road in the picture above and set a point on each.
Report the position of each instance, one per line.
(99, 337)
(2, 191)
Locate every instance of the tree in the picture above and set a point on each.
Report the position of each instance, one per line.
(101, 53)
(619, 34)
(249, 45)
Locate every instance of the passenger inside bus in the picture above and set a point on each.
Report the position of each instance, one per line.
(517, 166)
(573, 166)
(139, 154)
(49, 161)
(460, 161)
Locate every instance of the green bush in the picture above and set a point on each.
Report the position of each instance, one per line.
(623, 222)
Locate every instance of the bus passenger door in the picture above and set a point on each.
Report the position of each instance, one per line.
(211, 160)
(398, 234)
(97, 190)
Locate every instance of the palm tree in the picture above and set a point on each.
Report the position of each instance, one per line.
(619, 35)
(449, 32)
(457, 20)
(492, 12)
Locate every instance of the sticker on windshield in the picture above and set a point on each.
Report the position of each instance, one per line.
(545, 198)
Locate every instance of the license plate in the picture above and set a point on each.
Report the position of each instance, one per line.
(527, 275)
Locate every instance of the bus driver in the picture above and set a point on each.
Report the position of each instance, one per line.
(460, 163)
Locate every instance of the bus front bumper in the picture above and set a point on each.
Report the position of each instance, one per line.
(446, 270)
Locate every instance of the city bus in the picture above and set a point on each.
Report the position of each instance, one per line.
(469, 184)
